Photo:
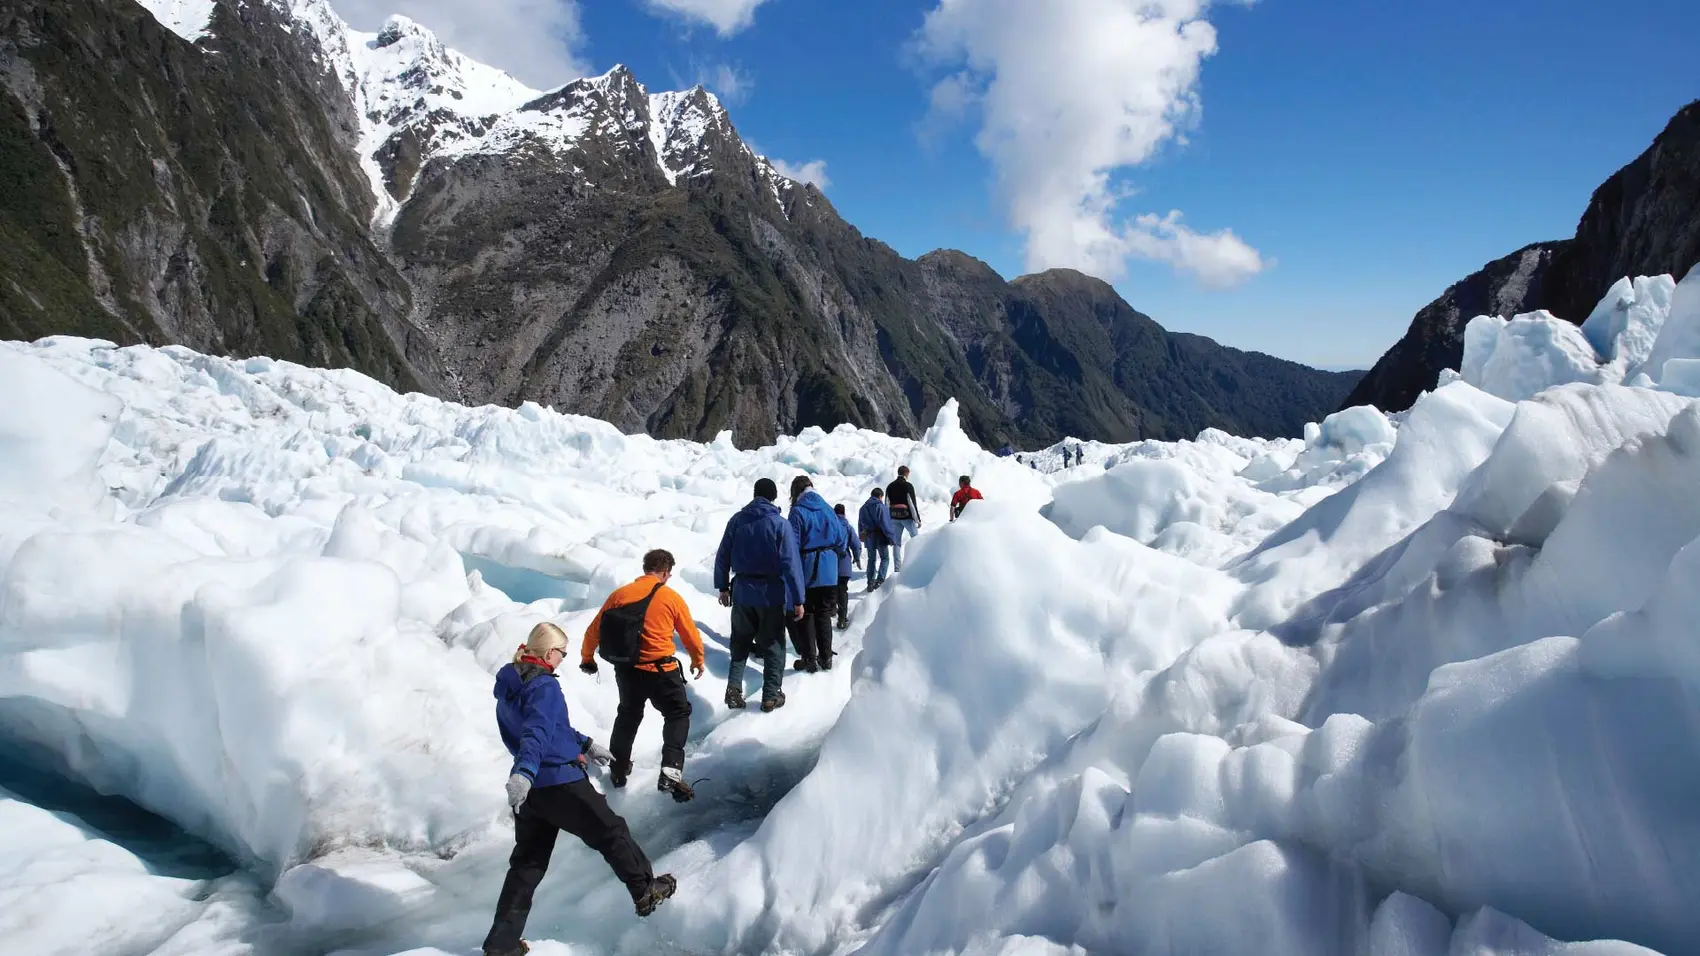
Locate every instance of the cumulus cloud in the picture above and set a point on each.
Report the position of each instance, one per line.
(538, 41)
(725, 16)
(813, 171)
(1070, 93)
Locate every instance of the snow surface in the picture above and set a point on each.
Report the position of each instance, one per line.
(1422, 684)
(189, 19)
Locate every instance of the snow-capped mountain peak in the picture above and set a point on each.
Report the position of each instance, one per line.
(681, 123)
(419, 99)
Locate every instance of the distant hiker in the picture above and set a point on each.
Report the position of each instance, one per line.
(634, 632)
(819, 537)
(852, 550)
(759, 574)
(905, 511)
(548, 791)
(879, 533)
(965, 493)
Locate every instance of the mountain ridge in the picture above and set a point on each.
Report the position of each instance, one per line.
(1643, 220)
(596, 247)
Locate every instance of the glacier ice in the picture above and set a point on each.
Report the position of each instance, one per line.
(1416, 684)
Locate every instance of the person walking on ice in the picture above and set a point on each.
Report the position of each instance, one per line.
(849, 557)
(878, 534)
(965, 493)
(634, 632)
(819, 538)
(549, 791)
(759, 574)
(905, 512)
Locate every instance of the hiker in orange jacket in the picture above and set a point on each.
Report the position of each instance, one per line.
(634, 631)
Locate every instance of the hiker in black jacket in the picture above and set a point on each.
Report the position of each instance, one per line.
(905, 511)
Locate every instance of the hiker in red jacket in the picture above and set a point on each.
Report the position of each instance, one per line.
(964, 494)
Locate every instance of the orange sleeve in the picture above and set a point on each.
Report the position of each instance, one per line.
(593, 633)
(686, 627)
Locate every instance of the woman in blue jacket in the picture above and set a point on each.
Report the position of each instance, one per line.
(549, 791)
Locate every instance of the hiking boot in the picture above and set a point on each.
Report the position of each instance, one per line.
(520, 950)
(672, 780)
(826, 662)
(772, 704)
(735, 699)
(618, 771)
(660, 890)
(804, 665)
(843, 623)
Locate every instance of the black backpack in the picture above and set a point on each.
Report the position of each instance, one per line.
(622, 631)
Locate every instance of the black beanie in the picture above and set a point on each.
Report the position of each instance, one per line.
(765, 488)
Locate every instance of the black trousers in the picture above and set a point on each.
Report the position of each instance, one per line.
(759, 631)
(664, 689)
(812, 636)
(578, 809)
(843, 599)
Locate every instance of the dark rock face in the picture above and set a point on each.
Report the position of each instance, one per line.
(1435, 340)
(647, 269)
(1645, 220)
(156, 192)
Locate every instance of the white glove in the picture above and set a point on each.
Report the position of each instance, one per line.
(602, 755)
(519, 787)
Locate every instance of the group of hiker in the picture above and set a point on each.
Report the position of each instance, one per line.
(781, 574)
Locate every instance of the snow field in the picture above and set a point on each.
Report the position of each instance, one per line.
(1412, 685)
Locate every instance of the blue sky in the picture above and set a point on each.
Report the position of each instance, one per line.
(1362, 156)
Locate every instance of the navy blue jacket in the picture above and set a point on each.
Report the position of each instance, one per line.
(875, 519)
(852, 550)
(758, 558)
(531, 712)
(819, 536)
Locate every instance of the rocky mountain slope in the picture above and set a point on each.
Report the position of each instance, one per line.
(1645, 220)
(205, 195)
(253, 176)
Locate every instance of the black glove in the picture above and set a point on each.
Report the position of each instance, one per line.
(589, 667)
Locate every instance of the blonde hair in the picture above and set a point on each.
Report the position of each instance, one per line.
(544, 638)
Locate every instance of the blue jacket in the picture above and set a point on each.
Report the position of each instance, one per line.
(851, 552)
(758, 558)
(531, 712)
(875, 519)
(819, 536)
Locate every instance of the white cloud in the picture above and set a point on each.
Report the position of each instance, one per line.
(731, 84)
(813, 171)
(538, 41)
(725, 16)
(1069, 93)
(1219, 259)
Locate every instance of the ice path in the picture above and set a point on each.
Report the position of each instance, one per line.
(751, 760)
